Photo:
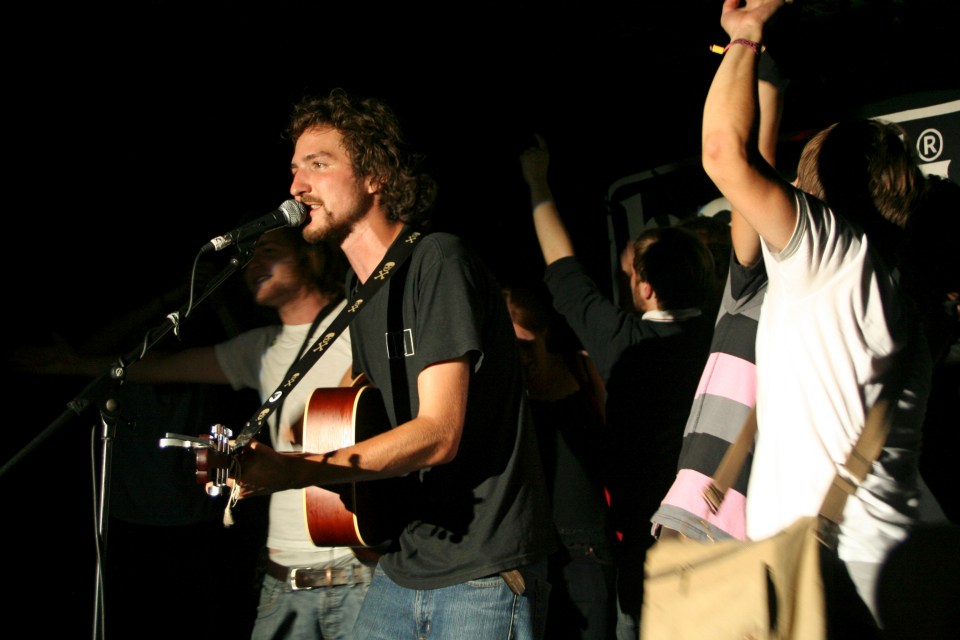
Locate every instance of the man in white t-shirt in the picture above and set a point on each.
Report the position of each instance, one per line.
(837, 331)
(308, 591)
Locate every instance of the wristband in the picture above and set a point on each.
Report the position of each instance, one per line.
(747, 43)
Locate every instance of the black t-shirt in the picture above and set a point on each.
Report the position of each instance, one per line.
(487, 510)
(651, 370)
(570, 433)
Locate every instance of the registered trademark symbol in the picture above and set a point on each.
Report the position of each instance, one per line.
(929, 145)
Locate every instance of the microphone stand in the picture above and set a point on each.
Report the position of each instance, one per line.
(99, 393)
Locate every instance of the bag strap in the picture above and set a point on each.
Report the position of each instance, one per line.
(731, 463)
(399, 251)
(861, 457)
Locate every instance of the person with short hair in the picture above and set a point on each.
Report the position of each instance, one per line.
(649, 358)
(837, 332)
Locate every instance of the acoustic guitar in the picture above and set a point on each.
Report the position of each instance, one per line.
(366, 514)
(359, 514)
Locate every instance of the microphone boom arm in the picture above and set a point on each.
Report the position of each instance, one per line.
(99, 390)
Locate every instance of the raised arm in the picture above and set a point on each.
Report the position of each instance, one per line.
(554, 239)
(771, 89)
(731, 141)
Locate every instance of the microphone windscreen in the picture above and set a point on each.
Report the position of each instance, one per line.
(294, 211)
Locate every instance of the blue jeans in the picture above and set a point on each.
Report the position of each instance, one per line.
(628, 625)
(309, 614)
(482, 609)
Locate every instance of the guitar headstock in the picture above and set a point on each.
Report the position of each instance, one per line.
(214, 456)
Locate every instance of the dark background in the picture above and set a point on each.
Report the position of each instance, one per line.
(139, 132)
(136, 132)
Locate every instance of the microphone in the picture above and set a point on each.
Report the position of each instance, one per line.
(290, 214)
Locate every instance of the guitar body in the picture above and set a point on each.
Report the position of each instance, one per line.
(358, 514)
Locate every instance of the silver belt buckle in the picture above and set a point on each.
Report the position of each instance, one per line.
(293, 579)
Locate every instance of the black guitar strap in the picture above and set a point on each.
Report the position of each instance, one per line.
(399, 346)
(398, 252)
(323, 313)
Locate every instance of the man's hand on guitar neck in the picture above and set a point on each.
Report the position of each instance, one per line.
(261, 470)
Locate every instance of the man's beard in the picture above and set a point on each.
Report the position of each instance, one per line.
(337, 230)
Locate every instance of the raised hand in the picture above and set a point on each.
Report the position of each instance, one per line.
(748, 20)
(535, 161)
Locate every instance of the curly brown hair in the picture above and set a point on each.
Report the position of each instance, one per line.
(372, 136)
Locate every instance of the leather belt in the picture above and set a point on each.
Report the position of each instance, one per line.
(299, 578)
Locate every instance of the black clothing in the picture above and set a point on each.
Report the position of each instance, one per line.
(488, 509)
